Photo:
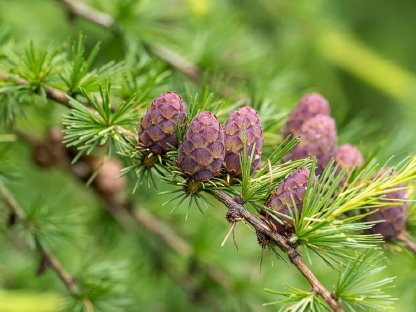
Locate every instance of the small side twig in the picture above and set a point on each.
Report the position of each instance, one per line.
(239, 212)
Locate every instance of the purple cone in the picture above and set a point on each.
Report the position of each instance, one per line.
(348, 156)
(289, 194)
(157, 127)
(245, 117)
(318, 140)
(394, 216)
(202, 151)
(311, 105)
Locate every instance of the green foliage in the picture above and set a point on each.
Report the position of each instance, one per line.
(102, 283)
(235, 44)
(330, 219)
(87, 129)
(36, 64)
(78, 73)
(299, 300)
(354, 289)
(43, 222)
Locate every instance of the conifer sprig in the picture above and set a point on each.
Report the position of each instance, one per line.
(298, 300)
(332, 220)
(87, 129)
(356, 287)
(237, 212)
(48, 259)
(353, 289)
(78, 72)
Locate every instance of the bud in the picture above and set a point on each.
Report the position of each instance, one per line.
(318, 140)
(248, 119)
(311, 105)
(394, 216)
(157, 127)
(202, 151)
(290, 194)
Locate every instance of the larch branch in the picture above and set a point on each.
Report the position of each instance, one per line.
(237, 211)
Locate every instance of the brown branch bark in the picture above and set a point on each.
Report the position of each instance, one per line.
(48, 258)
(237, 212)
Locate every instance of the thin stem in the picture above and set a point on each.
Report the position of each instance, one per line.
(237, 212)
(77, 8)
(47, 257)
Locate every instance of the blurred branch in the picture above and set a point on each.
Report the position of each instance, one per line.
(77, 8)
(351, 55)
(173, 59)
(237, 212)
(163, 231)
(48, 259)
(177, 62)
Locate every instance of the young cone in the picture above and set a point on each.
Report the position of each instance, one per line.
(394, 216)
(289, 195)
(318, 140)
(244, 119)
(348, 156)
(157, 128)
(202, 151)
(311, 105)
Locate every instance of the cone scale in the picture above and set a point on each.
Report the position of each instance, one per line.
(242, 121)
(202, 151)
(157, 130)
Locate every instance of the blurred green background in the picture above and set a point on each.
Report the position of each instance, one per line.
(359, 54)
